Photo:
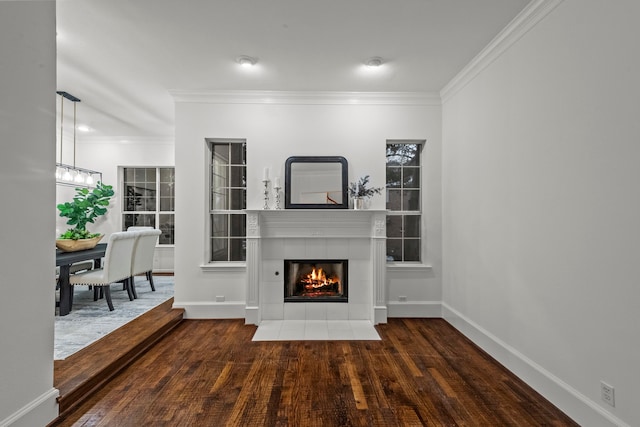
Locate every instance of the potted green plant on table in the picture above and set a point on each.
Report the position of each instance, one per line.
(360, 191)
(85, 207)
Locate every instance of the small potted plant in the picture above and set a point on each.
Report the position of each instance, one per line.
(85, 207)
(359, 192)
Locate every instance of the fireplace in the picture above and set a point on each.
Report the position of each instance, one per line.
(307, 235)
(316, 280)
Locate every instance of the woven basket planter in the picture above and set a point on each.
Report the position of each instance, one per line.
(69, 245)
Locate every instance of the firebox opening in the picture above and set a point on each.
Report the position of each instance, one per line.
(316, 280)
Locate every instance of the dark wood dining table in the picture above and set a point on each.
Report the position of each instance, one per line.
(64, 261)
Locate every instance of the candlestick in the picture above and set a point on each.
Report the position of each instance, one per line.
(266, 191)
(276, 188)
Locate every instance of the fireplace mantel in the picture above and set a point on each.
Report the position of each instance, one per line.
(309, 223)
(326, 227)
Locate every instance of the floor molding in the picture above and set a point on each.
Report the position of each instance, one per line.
(212, 310)
(38, 412)
(415, 309)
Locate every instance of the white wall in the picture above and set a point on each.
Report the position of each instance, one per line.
(27, 111)
(274, 130)
(107, 156)
(541, 208)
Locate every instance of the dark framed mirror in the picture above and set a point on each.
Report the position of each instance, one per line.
(316, 182)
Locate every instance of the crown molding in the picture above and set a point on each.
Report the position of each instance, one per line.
(128, 140)
(533, 13)
(307, 98)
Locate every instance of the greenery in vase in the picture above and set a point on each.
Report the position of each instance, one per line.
(359, 189)
(85, 208)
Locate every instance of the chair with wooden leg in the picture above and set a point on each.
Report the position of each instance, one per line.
(116, 266)
(143, 256)
(73, 269)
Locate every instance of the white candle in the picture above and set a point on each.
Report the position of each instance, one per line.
(265, 177)
(276, 182)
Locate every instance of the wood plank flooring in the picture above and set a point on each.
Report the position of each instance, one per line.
(210, 373)
(81, 374)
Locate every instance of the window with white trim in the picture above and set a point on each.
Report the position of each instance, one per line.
(228, 200)
(149, 200)
(404, 195)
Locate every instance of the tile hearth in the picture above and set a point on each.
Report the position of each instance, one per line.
(314, 330)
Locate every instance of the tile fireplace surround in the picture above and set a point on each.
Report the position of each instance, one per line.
(358, 236)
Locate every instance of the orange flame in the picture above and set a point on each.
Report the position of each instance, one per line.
(318, 278)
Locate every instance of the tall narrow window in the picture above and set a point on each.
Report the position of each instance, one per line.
(228, 199)
(148, 200)
(404, 201)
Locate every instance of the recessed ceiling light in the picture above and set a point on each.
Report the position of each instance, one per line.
(246, 61)
(376, 61)
(84, 128)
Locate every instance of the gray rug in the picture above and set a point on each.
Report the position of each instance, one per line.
(90, 320)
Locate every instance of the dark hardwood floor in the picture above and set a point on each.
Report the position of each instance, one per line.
(210, 373)
(83, 373)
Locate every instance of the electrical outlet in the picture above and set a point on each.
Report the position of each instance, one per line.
(219, 298)
(402, 298)
(607, 393)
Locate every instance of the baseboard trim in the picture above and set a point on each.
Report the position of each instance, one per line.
(379, 314)
(212, 309)
(581, 409)
(39, 412)
(252, 316)
(415, 309)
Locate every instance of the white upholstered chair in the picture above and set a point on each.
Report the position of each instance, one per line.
(139, 228)
(73, 269)
(116, 266)
(143, 256)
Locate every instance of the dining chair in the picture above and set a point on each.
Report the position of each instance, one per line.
(116, 266)
(135, 228)
(143, 251)
(139, 228)
(73, 269)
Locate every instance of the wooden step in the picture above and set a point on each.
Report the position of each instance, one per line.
(85, 372)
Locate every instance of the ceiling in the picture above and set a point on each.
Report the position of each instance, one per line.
(122, 57)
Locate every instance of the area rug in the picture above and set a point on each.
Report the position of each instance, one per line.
(90, 320)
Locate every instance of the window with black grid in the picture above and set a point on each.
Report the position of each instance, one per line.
(228, 199)
(149, 200)
(404, 204)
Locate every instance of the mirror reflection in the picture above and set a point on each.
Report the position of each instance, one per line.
(316, 183)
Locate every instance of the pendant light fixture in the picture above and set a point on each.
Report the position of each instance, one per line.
(71, 174)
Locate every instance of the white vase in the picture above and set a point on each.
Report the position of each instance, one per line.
(358, 203)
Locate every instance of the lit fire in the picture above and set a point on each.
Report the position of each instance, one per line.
(318, 279)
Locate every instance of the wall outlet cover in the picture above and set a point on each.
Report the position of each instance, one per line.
(607, 393)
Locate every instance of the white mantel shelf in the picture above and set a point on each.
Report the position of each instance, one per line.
(321, 223)
(326, 227)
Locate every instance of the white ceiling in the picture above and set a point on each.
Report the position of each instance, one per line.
(121, 57)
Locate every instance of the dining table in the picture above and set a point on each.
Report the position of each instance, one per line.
(64, 260)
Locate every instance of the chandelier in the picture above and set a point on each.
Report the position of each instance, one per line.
(71, 174)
